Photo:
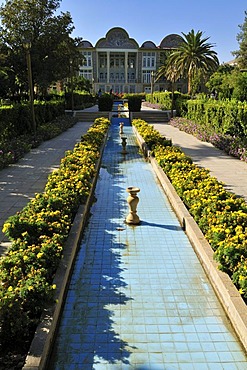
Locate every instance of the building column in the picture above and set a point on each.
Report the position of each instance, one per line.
(126, 67)
(97, 68)
(108, 66)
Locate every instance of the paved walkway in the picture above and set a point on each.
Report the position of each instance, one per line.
(20, 181)
(139, 298)
(231, 171)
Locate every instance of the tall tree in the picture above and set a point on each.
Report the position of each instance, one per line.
(194, 54)
(51, 48)
(241, 54)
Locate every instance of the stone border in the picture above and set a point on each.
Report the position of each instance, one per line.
(226, 291)
(40, 349)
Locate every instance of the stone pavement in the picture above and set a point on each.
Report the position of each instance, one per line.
(231, 171)
(20, 181)
(138, 297)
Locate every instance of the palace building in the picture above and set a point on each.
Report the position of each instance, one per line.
(117, 63)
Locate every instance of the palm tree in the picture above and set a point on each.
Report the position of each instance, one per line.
(194, 54)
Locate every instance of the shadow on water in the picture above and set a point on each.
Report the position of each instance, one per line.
(89, 331)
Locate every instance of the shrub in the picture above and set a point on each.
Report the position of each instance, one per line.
(38, 233)
(105, 103)
(225, 117)
(232, 145)
(134, 103)
(151, 136)
(81, 100)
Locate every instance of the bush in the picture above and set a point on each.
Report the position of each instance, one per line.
(225, 117)
(12, 148)
(134, 103)
(81, 100)
(15, 120)
(163, 100)
(232, 145)
(105, 103)
(38, 234)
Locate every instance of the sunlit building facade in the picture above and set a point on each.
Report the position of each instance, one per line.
(117, 63)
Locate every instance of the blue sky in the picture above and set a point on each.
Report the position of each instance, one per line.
(154, 19)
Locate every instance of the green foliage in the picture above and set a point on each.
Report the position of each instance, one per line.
(52, 49)
(241, 54)
(226, 117)
(15, 120)
(105, 103)
(81, 99)
(194, 54)
(164, 102)
(38, 234)
(163, 99)
(134, 102)
(240, 86)
(229, 83)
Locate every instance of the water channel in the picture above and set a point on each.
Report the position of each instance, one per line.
(138, 297)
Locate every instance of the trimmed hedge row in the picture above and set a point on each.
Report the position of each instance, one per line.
(163, 99)
(16, 120)
(12, 149)
(224, 116)
(38, 234)
(221, 215)
(81, 100)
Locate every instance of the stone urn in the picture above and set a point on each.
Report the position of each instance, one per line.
(121, 125)
(132, 200)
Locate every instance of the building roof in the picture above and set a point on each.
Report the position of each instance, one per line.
(117, 37)
(149, 45)
(86, 44)
(171, 41)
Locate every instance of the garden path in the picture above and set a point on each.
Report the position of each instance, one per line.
(21, 181)
(231, 171)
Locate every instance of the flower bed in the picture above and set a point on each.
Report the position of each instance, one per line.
(12, 149)
(221, 215)
(231, 145)
(38, 234)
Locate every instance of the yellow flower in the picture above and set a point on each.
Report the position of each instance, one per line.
(6, 226)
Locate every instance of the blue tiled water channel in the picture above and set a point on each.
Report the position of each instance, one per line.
(139, 298)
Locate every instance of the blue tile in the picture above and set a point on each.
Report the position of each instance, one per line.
(141, 297)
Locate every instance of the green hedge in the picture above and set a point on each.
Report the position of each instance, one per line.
(105, 102)
(224, 116)
(38, 234)
(16, 120)
(81, 100)
(164, 100)
(134, 103)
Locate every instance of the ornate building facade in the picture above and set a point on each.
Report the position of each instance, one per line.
(117, 63)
